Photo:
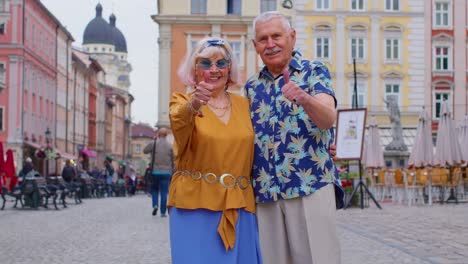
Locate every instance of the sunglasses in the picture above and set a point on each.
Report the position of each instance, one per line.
(206, 64)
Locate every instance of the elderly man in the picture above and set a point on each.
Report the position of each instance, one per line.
(293, 110)
(162, 166)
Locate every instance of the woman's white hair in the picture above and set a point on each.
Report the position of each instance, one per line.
(206, 48)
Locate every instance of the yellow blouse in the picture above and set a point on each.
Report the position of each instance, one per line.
(207, 145)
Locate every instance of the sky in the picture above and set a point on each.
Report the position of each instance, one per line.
(141, 33)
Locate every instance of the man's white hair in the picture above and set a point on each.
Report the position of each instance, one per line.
(267, 16)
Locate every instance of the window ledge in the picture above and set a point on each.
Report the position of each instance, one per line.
(442, 73)
(395, 62)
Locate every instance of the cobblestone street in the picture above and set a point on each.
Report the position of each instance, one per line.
(122, 230)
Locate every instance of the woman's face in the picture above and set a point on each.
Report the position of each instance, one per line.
(213, 70)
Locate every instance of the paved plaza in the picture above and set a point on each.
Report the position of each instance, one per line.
(122, 230)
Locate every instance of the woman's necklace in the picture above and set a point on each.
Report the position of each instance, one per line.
(224, 108)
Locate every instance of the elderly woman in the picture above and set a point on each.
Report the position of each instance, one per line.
(212, 207)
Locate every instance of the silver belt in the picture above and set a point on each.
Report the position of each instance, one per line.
(243, 182)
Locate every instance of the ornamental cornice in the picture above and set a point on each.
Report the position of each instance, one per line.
(358, 14)
(203, 20)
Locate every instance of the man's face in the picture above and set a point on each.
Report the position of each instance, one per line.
(274, 44)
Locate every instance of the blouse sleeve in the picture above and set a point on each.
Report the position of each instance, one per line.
(182, 120)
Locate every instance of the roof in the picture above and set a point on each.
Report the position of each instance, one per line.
(142, 130)
(119, 40)
(98, 31)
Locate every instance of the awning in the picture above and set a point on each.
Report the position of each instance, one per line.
(120, 162)
(32, 144)
(67, 156)
(89, 153)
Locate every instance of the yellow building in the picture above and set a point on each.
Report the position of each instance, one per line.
(183, 22)
(386, 38)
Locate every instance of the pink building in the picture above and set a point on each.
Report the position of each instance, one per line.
(28, 77)
(447, 26)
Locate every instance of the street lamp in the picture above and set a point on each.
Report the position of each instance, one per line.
(48, 135)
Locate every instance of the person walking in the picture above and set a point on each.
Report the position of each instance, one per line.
(162, 166)
(292, 106)
(68, 172)
(109, 171)
(211, 202)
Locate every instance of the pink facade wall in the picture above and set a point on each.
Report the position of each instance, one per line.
(28, 50)
(455, 37)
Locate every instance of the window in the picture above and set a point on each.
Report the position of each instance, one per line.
(322, 48)
(439, 98)
(392, 90)
(442, 58)
(267, 5)
(392, 5)
(138, 148)
(1, 119)
(357, 48)
(392, 49)
(234, 7)
(442, 16)
(361, 93)
(357, 5)
(2, 74)
(357, 43)
(2, 28)
(322, 4)
(198, 7)
(237, 51)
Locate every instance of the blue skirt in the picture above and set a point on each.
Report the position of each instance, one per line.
(195, 239)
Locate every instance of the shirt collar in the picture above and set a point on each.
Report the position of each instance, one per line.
(295, 64)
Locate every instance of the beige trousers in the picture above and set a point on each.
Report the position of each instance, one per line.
(300, 230)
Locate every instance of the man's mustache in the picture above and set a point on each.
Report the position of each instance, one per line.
(272, 51)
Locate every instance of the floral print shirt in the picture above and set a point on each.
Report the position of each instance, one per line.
(291, 153)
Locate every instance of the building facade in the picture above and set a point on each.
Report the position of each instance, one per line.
(383, 37)
(29, 36)
(183, 23)
(64, 84)
(107, 45)
(142, 135)
(446, 52)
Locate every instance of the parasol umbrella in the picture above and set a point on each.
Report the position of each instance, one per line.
(2, 168)
(422, 152)
(448, 151)
(463, 137)
(373, 155)
(9, 170)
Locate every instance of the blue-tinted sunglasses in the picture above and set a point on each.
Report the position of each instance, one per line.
(206, 64)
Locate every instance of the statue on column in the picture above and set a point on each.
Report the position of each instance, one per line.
(397, 143)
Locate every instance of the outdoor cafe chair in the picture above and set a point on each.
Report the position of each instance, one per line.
(416, 182)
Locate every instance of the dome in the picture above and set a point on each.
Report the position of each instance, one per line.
(98, 31)
(119, 39)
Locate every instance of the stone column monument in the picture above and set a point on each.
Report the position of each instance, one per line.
(396, 152)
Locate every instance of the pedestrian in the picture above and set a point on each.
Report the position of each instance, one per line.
(293, 109)
(68, 172)
(109, 171)
(212, 207)
(162, 166)
(27, 167)
(132, 182)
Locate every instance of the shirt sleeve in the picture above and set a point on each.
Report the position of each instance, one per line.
(320, 80)
(182, 120)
